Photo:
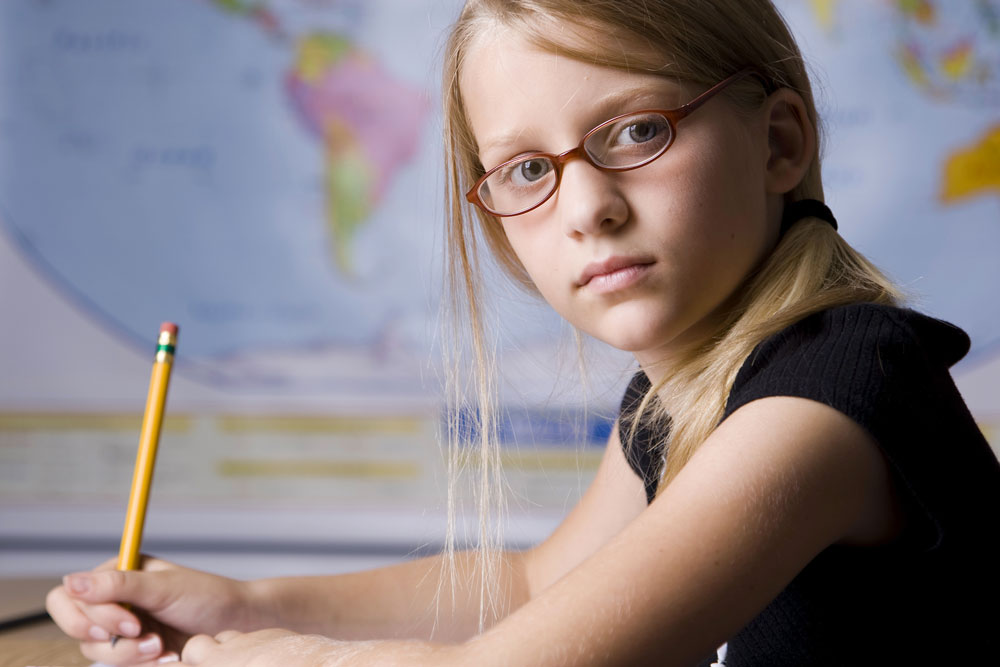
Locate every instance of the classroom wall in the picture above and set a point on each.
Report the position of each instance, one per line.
(268, 176)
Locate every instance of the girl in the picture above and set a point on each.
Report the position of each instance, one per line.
(794, 476)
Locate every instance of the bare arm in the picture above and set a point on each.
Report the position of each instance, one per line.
(615, 497)
(778, 482)
(417, 599)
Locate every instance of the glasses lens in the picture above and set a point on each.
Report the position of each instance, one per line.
(518, 185)
(629, 141)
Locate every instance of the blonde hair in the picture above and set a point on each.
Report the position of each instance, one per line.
(699, 42)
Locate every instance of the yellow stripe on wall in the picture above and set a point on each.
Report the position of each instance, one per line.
(323, 468)
(308, 424)
(82, 421)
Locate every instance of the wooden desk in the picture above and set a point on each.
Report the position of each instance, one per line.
(40, 643)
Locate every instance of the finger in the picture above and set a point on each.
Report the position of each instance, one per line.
(67, 614)
(151, 564)
(81, 620)
(148, 647)
(115, 586)
(89, 622)
(173, 639)
(226, 635)
(109, 564)
(146, 564)
(197, 649)
(169, 658)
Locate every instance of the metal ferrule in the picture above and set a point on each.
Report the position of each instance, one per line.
(165, 346)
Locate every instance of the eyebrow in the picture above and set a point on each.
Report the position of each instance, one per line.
(625, 101)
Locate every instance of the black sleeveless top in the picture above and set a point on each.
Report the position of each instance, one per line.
(930, 597)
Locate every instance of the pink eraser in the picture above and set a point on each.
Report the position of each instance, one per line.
(169, 327)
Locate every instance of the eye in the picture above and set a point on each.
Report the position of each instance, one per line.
(527, 171)
(639, 132)
(629, 141)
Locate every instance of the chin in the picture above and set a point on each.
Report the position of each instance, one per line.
(646, 337)
(634, 340)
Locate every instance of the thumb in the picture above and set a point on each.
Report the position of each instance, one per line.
(111, 586)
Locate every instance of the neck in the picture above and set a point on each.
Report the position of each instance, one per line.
(659, 365)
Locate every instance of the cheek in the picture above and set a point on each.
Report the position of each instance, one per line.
(531, 248)
(710, 222)
(548, 268)
(729, 197)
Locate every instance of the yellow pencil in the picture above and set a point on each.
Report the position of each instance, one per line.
(145, 459)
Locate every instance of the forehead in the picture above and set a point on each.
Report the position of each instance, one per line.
(511, 89)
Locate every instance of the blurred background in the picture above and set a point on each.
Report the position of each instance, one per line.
(268, 174)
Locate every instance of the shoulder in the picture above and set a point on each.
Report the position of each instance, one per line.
(852, 357)
(853, 328)
(887, 370)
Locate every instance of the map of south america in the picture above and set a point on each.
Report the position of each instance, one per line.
(368, 123)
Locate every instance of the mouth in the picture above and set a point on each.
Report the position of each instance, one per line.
(613, 274)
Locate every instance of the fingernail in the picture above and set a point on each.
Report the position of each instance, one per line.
(170, 657)
(98, 633)
(151, 645)
(128, 628)
(77, 583)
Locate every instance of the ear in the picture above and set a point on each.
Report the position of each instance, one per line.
(791, 140)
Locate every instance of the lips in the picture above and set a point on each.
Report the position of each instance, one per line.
(613, 273)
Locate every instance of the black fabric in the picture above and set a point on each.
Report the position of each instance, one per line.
(930, 597)
(804, 208)
(644, 448)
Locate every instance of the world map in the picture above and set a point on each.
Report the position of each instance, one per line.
(247, 169)
(951, 52)
(911, 93)
(268, 174)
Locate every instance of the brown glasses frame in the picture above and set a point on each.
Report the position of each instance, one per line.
(673, 116)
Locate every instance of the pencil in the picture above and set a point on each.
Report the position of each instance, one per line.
(145, 459)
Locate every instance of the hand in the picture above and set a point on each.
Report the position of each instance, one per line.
(170, 602)
(264, 647)
(283, 648)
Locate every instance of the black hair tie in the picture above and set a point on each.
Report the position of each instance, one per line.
(805, 208)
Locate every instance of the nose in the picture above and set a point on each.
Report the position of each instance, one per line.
(589, 200)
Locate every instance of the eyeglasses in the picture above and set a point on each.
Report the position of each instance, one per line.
(625, 142)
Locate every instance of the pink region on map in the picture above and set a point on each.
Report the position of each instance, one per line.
(383, 115)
